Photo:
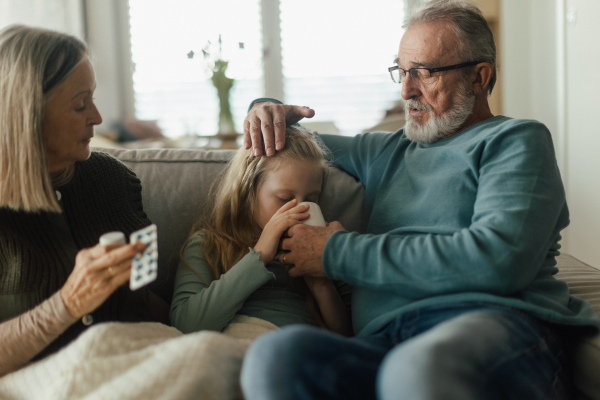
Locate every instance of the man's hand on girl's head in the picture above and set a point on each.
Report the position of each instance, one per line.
(267, 122)
(305, 245)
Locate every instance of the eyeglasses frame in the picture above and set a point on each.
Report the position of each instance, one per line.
(431, 70)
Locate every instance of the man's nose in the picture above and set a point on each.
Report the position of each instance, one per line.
(410, 89)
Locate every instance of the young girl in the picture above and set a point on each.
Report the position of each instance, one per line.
(231, 269)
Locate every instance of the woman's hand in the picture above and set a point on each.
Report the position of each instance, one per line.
(98, 272)
(286, 217)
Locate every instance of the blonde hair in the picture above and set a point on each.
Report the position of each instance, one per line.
(229, 227)
(32, 62)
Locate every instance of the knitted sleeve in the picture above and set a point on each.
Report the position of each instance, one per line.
(25, 336)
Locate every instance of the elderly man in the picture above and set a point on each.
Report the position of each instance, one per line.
(454, 295)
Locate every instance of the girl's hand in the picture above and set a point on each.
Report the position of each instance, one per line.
(317, 284)
(98, 272)
(286, 217)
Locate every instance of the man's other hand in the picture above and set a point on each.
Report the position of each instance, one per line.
(267, 122)
(306, 245)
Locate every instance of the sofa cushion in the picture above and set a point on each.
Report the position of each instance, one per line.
(175, 185)
(584, 282)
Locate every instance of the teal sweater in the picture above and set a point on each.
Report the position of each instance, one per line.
(474, 217)
(249, 288)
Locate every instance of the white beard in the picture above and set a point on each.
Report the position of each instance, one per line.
(438, 126)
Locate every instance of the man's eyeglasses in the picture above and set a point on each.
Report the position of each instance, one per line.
(421, 74)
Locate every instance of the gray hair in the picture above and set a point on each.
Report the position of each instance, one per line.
(475, 38)
(32, 62)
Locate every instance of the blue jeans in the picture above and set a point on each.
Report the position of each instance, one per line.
(470, 350)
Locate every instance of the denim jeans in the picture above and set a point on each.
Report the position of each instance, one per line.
(469, 350)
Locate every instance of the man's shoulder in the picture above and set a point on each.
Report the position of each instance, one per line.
(501, 122)
(514, 136)
(500, 128)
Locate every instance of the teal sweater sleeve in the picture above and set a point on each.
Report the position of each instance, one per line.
(518, 211)
(208, 304)
(356, 154)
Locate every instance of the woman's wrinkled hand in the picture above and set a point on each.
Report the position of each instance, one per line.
(286, 217)
(98, 272)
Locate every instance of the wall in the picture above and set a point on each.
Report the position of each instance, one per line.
(550, 74)
(529, 60)
(61, 15)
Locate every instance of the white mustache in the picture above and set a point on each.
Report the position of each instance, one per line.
(411, 103)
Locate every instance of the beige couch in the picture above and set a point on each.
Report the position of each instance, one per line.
(175, 187)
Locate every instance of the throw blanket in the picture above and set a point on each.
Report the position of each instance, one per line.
(140, 361)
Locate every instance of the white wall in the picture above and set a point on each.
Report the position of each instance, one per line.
(549, 66)
(528, 61)
(61, 15)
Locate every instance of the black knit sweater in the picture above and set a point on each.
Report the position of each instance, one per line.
(37, 250)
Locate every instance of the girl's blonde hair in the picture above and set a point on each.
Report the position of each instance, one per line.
(230, 228)
(32, 62)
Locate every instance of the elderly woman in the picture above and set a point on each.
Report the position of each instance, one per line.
(56, 200)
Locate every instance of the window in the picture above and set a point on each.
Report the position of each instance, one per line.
(177, 91)
(335, 59)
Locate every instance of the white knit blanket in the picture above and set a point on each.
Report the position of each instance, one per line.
(139, 361)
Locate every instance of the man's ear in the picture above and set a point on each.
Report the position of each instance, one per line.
(482, 77)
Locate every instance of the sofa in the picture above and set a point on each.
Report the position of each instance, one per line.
(176, 183)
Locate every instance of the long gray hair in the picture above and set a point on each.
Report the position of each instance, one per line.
(475, 38)
(32, 62)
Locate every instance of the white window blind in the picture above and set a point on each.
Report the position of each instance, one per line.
(177, 91)
(335, 58)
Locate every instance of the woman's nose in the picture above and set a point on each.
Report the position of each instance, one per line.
(95, 118)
